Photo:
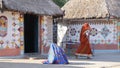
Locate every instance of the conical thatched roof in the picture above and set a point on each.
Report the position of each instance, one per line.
(91, 8)
(42, 7)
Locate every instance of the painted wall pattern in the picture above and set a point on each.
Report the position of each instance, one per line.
(46, 33)
(3, 26)
(101, 33)
(118, 34)
(103, 36)
(13, 31)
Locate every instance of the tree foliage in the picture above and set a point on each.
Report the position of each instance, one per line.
(60, 3)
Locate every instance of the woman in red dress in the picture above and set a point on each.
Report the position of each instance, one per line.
(84, 48)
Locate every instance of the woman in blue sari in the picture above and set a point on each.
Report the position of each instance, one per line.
(56, 55)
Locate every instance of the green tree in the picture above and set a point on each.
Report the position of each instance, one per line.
(60, 2)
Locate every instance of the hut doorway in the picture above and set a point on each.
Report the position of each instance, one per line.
(31, 33)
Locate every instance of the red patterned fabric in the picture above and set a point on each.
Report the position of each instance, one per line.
(84, 47)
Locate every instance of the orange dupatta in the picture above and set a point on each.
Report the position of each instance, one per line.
(84, 47)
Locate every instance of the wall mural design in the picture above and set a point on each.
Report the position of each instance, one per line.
(101, 33)
(11, 36)
(73, 31)
(94, 32)
(46, 33)
(3, 26)
(105, 31)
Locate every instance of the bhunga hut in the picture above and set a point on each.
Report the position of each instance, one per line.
(103, 17)
(26, 26)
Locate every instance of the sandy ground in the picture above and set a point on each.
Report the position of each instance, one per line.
(100, 60)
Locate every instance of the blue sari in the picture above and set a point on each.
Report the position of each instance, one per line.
(56, 55)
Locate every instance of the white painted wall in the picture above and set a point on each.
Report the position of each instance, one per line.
(14, 36)
(62, 34)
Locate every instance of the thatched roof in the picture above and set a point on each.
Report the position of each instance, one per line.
(91, 8)
(42, 7)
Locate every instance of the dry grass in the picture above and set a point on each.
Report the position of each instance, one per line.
(91, 8)
(41, 7)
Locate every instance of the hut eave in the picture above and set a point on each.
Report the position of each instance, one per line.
(41, 7)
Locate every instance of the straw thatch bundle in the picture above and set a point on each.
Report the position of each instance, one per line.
(42, 7)
(91, 8)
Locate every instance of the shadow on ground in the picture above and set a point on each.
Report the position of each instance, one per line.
(35, 65)
(106, 57)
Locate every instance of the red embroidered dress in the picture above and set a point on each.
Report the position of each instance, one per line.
(84, 47)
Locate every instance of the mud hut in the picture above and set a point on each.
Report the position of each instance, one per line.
(103, 17)
(26, 26)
